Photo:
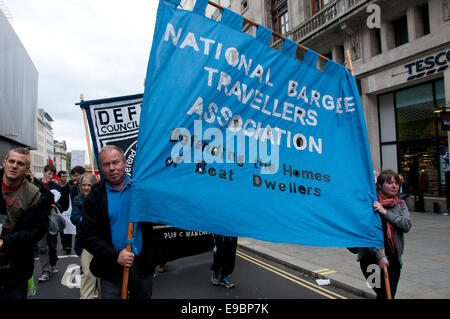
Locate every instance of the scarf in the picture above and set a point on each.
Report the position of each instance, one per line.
(389, 202)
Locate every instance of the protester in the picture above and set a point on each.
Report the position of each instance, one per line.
(395, 220)
(47, 246)
(66, 239)
(103, 232)
(90, 285)
(24, 218)
(224, 256)
(75, 175)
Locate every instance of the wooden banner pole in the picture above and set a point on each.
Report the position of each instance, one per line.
(386, 281)
(350, 63)
(126, 270)
(385, 271)
(87, 137)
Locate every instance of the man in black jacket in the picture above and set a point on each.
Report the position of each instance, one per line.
(48, 256)
(64, 202)
(24, 215)
(103, 232)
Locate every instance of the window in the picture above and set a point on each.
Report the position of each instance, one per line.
(415, 115)
(400, 31)
(280, 16)
(376, 49)
(284, 23)
(425, 19)
(317, 5)
(244, 6)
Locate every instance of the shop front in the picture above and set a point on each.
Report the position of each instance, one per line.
(414, 142)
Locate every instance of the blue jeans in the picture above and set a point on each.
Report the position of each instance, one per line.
(140, 283)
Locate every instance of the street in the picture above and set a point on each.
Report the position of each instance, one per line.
(188, 278)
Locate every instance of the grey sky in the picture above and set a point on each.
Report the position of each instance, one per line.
(98, 48)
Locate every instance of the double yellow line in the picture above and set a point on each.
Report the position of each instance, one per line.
(286, 275)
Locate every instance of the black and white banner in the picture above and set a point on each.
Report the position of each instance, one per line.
(115, 121)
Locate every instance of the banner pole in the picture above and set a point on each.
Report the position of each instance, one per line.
(386, 281)
(350, 63)
(87, 136)
(126, 270)
(385, 272)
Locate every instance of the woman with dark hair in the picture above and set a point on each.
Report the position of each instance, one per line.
(395, 221)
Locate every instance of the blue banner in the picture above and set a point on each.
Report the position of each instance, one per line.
(240, 139)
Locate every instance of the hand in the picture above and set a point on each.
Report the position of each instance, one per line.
(1, 243)
(379, 208)
(383, 263)
(125, 258)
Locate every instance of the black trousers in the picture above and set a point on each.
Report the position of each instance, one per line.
(224, 254)
(394, 270)
(66, 240)
(140, 282)
(48, 255)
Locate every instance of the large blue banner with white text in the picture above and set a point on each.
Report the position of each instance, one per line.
(240, 139)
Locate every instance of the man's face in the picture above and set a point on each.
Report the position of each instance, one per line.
(63, 177)
(16, 166)
(48, 176)
(112, 166)
(75, 178)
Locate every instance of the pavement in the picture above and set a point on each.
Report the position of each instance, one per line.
(426, 260)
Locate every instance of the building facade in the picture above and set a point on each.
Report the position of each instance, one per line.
(18, 92)
(45, 145)
(400, 52)
(60, 155)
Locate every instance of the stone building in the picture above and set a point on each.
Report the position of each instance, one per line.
(45, 144)
(60, 155)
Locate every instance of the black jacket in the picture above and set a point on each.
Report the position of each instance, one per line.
(95, 236)
(52, 185)
(65, 198)
(20, 244)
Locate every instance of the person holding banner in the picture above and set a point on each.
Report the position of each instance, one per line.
(103, 232)
(224, 254)
(395, 220)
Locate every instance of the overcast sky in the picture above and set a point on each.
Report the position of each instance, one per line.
(98, 48)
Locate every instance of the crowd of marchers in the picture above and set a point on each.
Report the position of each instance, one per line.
(99, 213)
